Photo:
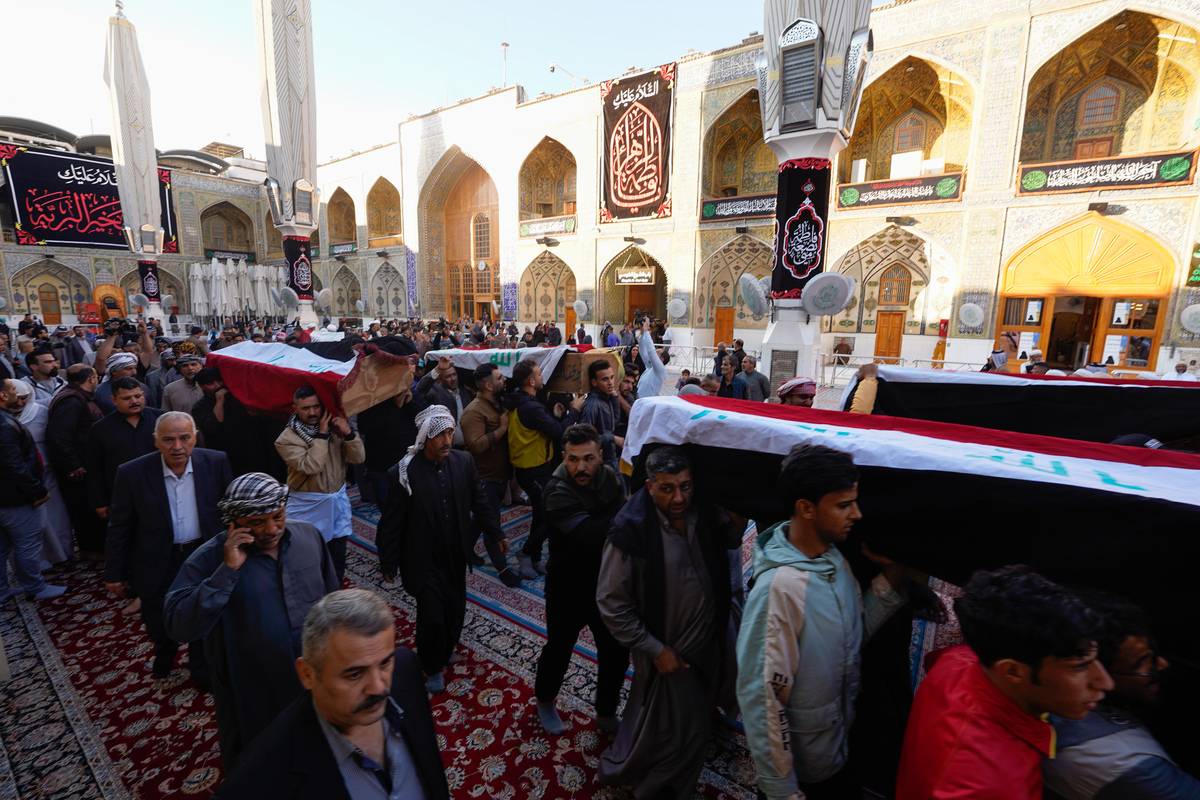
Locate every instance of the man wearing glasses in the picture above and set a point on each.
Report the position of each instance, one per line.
(1111, 752)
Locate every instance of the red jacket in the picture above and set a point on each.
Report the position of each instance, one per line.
(965, 739)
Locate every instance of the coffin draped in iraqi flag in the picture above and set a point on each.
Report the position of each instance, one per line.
(1093, 409)
(950, 499)
(265, 375)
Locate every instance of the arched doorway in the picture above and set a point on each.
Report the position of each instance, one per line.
(342, 226)
(546, 185)
(718, 301)
(737, 161)
(914, 120)
(168, 285)
(347, 291)
(632, 282)
(891, 271)
(388, 293)
(49, 290)
(458, 216)
(383, 215)
(547, 291)
(111, 300)
(1090, 291)
(227, 229)
(1123, 87)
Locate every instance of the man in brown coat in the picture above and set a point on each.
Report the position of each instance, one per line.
(317, 446)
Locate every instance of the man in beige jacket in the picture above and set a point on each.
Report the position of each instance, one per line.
(316, 447)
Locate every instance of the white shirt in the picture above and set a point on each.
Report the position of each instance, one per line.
(1180, 376)
(181, 497)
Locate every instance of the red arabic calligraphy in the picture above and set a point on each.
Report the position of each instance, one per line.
(81, 212)
(636, 158)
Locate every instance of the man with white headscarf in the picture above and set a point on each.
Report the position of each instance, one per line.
(436, 506)
(245, 592)
(119, 365)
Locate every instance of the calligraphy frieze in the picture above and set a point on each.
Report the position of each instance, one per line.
(1118, 172)
(747, 207)
(230, 255)
(547, 226)
(343, 248)
(638, 114)
(946, 188)
(634, 276)
(71, 199)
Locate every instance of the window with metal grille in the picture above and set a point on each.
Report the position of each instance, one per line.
(910, 134)
(894, 286)
(482, 237)
(1099, 105)
(800, 74)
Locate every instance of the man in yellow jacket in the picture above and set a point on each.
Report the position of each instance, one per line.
(317, 446)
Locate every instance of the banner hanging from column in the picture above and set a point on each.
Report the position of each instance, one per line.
(148, 273)
(299, 263)
(638, 114)
(801, 223)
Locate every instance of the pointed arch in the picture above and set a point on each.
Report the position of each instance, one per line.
(342, 225)
(168, 283)
(1124, 86)
(736, 160)
(891, 271)
(225, 227)
(347, 291)
(919, 104)
(388, 293)
(618, 301)
(49, 289)
(717, 281)
(547, 287)
(383, 214)
(274, 238)
(546, 182)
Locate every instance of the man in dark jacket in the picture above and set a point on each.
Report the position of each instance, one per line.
(73, 412)
(370, 737)
(227, 425)
(388, 430)
(582, 498)
(122, 436)
(602, 410)
(738, 355)
(441, 387)
(664, 592)
(163, 507)
(436, 505)
(21, 492)
(534, 435)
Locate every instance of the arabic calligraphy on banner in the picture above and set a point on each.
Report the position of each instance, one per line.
(801, 217)
(638, 114)
(71, 199)
(634, 276)
(1115, 172)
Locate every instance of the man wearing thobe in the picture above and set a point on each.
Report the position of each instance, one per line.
(664, 592)
(121, 436)
(435, 507)
(163, 507)
(183, 394)
(317, 446)
(245, 592)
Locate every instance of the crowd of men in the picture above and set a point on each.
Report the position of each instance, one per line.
(228, 528)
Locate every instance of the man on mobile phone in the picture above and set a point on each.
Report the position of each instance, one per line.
(245, 592)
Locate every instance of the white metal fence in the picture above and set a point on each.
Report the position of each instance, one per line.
(838, 370)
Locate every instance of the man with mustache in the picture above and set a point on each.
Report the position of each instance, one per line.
(436, 506)
(121, 436)
(246, 592)
(43, 375)
(362, 730)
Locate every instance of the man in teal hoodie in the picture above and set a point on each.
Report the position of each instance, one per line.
(799, 648)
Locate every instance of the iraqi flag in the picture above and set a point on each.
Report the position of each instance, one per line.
(950, 499)
(266, 375)
(1091, 409)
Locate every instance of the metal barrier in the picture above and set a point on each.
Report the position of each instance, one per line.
(838, 370)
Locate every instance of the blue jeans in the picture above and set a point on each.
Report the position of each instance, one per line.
(21, 535)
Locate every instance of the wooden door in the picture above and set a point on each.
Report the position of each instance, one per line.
(570, 322)
(1093, 148)
(48, 299)
(723, 326)
(889, 334)
(640, 298)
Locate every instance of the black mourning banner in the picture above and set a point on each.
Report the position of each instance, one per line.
(299, 262)
(637, 145)
(801, 222)
(148, 273)
(71, 199)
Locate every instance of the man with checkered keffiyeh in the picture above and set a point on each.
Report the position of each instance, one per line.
(245, 592)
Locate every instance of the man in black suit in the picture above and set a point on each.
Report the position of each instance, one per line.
(117, 439)
(164, 506)
(362, 730)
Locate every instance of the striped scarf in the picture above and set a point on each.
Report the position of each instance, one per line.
(305, 432)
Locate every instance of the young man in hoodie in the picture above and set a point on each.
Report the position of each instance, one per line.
(582, 497)
(805, 621)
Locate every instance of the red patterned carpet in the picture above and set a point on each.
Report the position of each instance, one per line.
(82, 717)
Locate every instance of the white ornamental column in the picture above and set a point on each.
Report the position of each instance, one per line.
(135, 162)
(284, 29)
(815, 56)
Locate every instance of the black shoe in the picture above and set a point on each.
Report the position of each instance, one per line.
(475, 560)
(163, 663)
(510, 578)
